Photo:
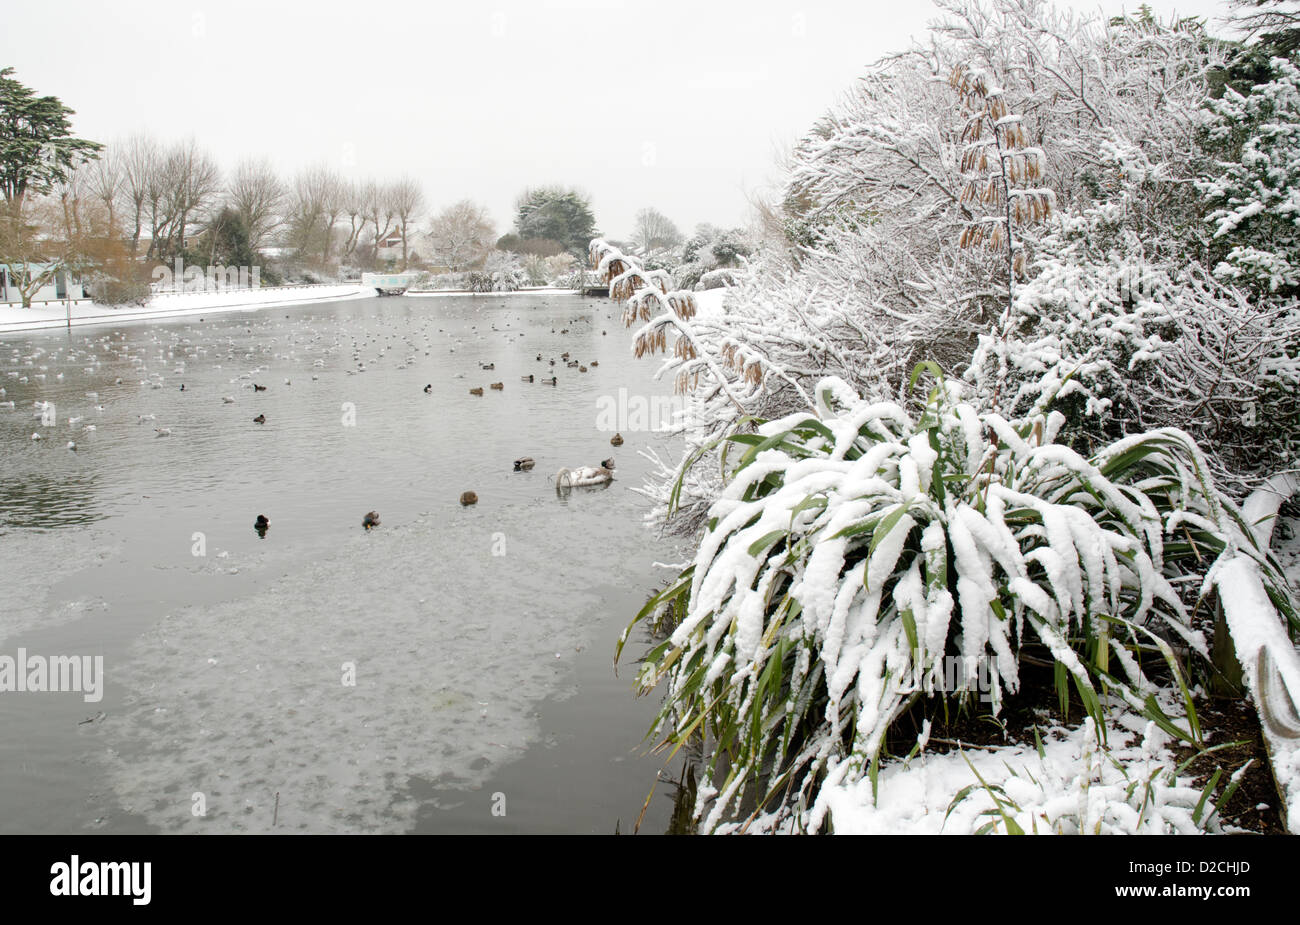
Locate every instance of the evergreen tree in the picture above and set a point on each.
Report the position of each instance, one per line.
(556, 214)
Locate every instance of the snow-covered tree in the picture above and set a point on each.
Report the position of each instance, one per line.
(1255, 194)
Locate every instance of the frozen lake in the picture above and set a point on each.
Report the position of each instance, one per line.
(411, 678)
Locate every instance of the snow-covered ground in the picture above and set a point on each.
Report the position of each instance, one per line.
(15, 318)
(1073, 786)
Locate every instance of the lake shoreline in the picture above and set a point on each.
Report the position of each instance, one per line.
(18, 320)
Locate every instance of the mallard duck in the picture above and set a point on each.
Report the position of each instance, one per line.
(523, 464)
(487, 366)
(258, 388)
(261, 523)
(550, 381)
(370, 520)
(260, 419)
(616, 440)
(478, 391)
(498, 386)
(428, 388)
(595, 362)
(608, 463)
(526, 378)
(582, 369)
(468, 498)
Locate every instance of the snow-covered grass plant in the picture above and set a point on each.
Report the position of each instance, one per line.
(856, 546)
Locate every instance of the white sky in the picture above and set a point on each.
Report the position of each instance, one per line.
(682, 106)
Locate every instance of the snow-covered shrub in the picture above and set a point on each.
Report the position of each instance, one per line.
(502, 272)
(856, 545)
(1256, 195)
(717, 279)
(1122, 345)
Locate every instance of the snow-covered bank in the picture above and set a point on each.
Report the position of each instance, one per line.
(15, 319)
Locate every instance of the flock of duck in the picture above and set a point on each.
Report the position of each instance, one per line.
(175, 349)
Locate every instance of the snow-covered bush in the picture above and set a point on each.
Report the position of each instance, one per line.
(502, 272)
(1255, 196)
(857, 545)
(1122, 345)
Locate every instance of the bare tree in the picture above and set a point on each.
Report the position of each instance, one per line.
(461, 234)
(196, 185)
(379, 211)
(258, 195)
(353, 201)
(314, 211)
(654, 230)
(138, 157)
(407, 201)
(179, 190)
(105, 181)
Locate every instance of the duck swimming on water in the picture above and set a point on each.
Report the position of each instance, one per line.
(524, 464)
(370, 520)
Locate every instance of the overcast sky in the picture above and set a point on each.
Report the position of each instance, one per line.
(683, 106)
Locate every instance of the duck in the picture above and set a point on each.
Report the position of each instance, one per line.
(539, 358)
(616, 440)
(487, 366)
(524, 463)
(526, 378)
(260, 419)
(595, 362)
(468, 498)
(478, 391)
(261, 523)
(227, 399)
(163, 431)
(258, 388)
(428, 388)
(498, 386)
(370, 520)
(608, 463)
(582, 369)
(550, 381)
